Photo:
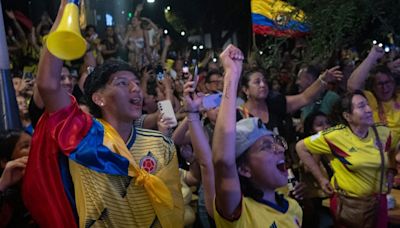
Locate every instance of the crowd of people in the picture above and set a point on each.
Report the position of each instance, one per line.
(96, 150)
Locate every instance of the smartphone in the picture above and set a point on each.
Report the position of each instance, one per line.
(165, 107)
(195, 75)
(211, 101)
(185, 68)
(160, 73)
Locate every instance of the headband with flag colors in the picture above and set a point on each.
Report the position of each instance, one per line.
(277, 18)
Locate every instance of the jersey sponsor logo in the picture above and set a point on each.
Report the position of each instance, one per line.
(352, 149)
(148, 163)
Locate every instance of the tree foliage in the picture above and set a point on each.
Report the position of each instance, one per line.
(343, 23)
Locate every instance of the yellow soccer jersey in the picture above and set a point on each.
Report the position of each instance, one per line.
(256, 214)
(104, 200)
(356, 162)
(391, 114)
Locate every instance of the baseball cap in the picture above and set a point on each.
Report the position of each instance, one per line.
(248, 131)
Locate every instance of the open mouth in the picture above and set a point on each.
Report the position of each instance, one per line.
(281, 166)
(135, 101)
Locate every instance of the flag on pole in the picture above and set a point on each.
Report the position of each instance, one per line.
(277, 18)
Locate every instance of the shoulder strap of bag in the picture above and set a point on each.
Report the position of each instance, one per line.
(381, 152)
(380, 146)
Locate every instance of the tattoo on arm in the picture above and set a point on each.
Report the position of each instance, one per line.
(228, 88)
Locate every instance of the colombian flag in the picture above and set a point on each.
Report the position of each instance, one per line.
(277, 18)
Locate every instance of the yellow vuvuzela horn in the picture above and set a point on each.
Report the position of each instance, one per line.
(66, 42)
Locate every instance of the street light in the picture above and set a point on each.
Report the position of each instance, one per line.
(150, 1)
(165, 31)
(194, 47)
(201, 47)
(183, 33)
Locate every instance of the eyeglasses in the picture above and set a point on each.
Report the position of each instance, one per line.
(279, 140)
(384, 83)
(274, 145)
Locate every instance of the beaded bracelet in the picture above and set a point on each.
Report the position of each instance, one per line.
(323, 82)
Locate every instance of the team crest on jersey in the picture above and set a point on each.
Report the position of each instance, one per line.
(148, 163)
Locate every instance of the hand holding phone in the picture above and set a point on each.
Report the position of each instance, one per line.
(165, 108)
(185, 68)
(160, 73)
(195, 76)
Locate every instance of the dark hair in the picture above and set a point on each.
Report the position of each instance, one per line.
(99, 78)
(8, 140)
(90, 27)
(245, 79)
(309, 122)
(312, 70)
(372, 79)
(211, 73)
(247, 187)
(345, 104)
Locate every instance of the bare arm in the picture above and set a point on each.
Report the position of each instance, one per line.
(294, 103)
(206, 58)
(20, 32)
(180, 135)
(88, 61)
(167, 43)
(227, 185)
(201, 146)
(49, 76)
(313, 166)
(33, 38)
(360, 74)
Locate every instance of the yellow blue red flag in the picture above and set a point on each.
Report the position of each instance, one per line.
(277, 18)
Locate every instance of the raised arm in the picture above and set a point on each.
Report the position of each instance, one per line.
(167, 43)
(180, 135)
(21, 36)
(294, 103)
(360, 74)
(49, 75)
(200, 144)
(227, 185)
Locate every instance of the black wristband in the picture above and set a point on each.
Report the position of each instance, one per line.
(189, 111)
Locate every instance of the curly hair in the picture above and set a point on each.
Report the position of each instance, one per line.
(98, 80)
